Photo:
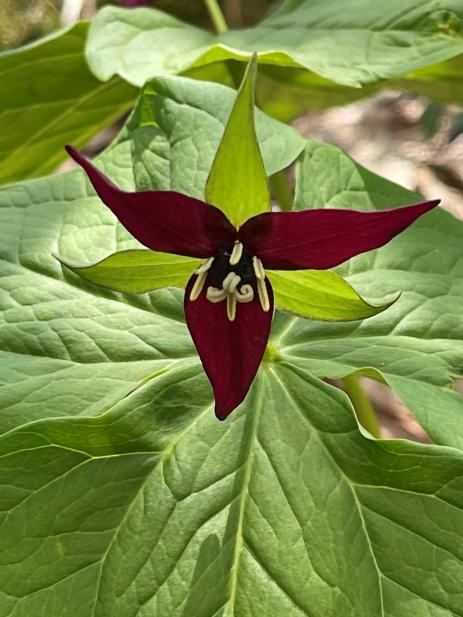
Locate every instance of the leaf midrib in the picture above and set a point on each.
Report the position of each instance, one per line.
(346, 479)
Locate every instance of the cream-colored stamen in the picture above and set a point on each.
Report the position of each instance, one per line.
(198, 286)
(258, 269)
(263, 294)
(215, 295)
(232, 291)
(245, 294)
(236, 253)
(231, 307)
(205, 266)
(200, 279)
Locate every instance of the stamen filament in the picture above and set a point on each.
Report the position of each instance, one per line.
(263, 295)
(236, 253)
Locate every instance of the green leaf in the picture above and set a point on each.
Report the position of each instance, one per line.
(182, 122)
(319, 294)
(49, 98)
(237, 183)
(416, 345)
(123, 495)
(356, 44)
(189, 516)
(137, 271)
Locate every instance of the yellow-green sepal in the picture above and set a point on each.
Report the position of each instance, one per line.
(237, 183)
(320, 294)
(137, 271)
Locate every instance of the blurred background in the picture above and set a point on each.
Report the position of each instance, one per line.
(406, 138)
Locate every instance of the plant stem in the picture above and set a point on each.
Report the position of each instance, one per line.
(282, 190)
(363, 408)
(216, 15)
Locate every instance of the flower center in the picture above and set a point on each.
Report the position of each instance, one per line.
(237, 275)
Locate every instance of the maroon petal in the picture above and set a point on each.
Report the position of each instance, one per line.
(163, 220)
(230, 351)
(323, 238)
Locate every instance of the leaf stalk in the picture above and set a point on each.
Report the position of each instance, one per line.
(216, 15)
(364, 410)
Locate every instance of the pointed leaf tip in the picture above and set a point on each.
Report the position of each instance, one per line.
(237, 182)
(136, 271)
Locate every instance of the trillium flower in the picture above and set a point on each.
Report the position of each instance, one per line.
(235, 256)
(229, 299)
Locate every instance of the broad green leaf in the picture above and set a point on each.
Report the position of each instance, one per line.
(319, 294)
(137, 271)
(123, 495)
(237, 183)
(354, 44)
(417, 343)
(49, 98)
(182, 122)
(285, 509)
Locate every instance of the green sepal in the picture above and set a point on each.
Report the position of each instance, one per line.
(320, 294)
(237, 182)
(137, 271)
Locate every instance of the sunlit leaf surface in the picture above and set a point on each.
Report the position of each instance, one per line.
(123, 495)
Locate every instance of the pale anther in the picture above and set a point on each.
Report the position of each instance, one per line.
(263, 294)
(200, 279)
(231, 307)
(205, 266)
(198, 286)
(258, 268)
(236, 253)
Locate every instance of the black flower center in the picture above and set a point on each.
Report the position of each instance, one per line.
(221, 267)
(237, 277)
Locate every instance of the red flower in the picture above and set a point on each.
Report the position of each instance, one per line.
(228, 299)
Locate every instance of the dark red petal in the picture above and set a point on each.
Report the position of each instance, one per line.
(323, 238)
(163, 220)
(230, 351)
